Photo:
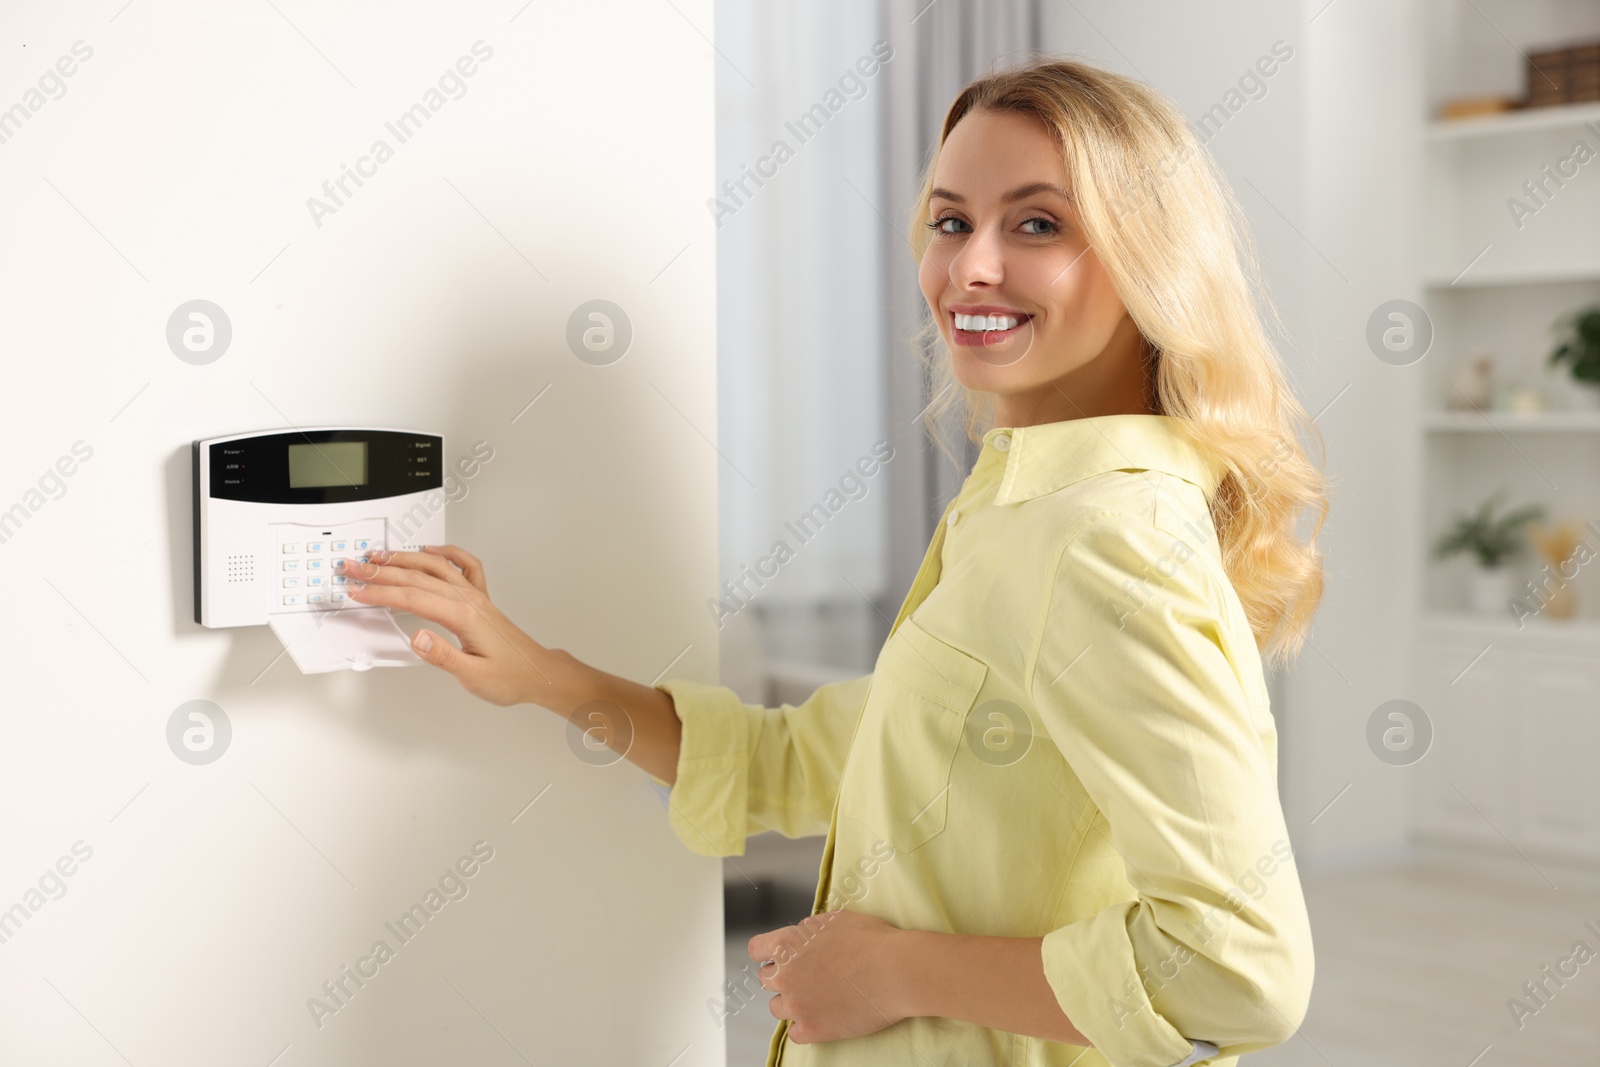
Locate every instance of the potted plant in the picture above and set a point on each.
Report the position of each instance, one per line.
(1491, 541)
(1578, 337)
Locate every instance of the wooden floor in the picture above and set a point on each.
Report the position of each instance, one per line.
(1414, 968)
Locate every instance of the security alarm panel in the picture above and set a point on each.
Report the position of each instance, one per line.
(278, 515)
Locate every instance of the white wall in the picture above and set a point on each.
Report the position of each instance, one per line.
(1365, 113)
(177, 165)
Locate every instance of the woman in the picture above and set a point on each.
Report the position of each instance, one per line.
(1053, 826)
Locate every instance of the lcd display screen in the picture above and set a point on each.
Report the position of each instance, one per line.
(330, 463)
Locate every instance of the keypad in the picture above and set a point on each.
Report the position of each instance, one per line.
(314, 570)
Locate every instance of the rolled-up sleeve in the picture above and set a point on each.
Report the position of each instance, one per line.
(743, 768)
(1155, 720)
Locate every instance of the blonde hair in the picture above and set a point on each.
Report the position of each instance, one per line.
(1176, 246)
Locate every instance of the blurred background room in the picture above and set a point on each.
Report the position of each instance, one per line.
(1417, 174)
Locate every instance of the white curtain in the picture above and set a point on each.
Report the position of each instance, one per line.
(948, 44)
(817, 290)
(800, 293)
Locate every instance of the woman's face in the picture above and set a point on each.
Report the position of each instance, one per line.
(1006, 252)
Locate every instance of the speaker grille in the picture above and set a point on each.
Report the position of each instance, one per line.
(241, 569)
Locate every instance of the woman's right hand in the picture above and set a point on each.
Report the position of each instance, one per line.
(445, 585)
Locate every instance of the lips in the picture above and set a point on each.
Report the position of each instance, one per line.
(986, 338)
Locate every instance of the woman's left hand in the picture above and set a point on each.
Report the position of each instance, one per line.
(835, 975)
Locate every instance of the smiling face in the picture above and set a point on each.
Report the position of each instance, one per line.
(1024, 304)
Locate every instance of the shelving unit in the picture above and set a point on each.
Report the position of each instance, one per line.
(1516, 707)
(1537, 633)
(1470, 277)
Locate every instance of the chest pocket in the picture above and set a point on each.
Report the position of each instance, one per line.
(897, 778)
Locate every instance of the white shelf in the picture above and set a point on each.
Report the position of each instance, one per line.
(1526, 120)
(1483, 278)
(1498, 627)
(1500, 421)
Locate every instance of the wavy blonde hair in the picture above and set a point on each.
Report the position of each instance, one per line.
(1175, 244)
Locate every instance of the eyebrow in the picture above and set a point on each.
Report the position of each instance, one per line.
(1021, 192)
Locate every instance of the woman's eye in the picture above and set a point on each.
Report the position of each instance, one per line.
(937, 225)
(1050, 226)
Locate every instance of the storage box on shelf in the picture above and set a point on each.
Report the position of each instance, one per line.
(1563, 75)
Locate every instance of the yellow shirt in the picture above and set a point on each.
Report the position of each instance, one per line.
(1066, 735)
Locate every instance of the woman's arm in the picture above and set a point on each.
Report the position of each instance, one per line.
(753, 768)
(996, 982)
(1164, 722)
(648, 717)
(501, 664)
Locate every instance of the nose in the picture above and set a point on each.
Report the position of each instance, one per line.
(980, 260)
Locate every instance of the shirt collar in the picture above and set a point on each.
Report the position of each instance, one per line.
(1043, 458)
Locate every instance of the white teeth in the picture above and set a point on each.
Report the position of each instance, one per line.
(987, 322)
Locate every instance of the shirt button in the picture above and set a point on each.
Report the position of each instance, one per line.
(1002, 441)
(954, 515)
